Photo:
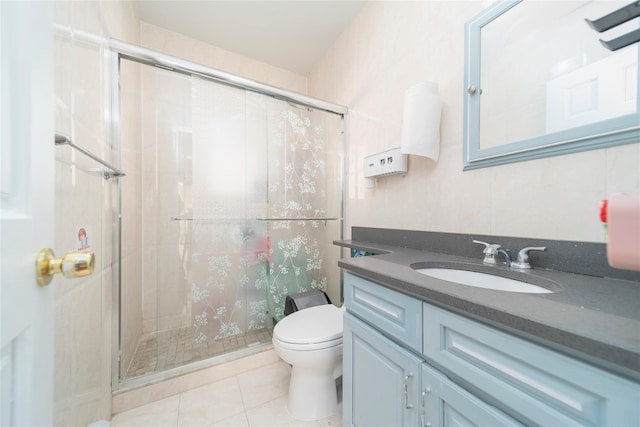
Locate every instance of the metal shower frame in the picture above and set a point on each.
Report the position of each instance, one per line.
(114, 51)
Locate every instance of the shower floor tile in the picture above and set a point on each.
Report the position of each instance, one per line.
(159, 351)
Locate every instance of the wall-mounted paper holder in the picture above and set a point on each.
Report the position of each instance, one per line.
(390, 162)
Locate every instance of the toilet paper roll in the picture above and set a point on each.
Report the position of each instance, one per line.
(421, 121)
(623, 232)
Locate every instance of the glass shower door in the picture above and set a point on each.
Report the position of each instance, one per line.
(203, 184)
(234, 205)
(304, 202)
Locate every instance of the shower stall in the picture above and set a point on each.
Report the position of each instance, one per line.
(232, 200)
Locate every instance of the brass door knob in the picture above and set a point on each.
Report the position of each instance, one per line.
(73, 264)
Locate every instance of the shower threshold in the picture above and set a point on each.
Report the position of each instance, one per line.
(164, 350)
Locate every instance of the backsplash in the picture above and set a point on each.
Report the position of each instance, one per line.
(569, 256)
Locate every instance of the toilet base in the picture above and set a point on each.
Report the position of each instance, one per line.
(312, 395)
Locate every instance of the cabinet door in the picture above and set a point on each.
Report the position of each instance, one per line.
(447, 405)
(381, 382)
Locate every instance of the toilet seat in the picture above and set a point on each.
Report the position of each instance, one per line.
(310, 329)
(307, 347)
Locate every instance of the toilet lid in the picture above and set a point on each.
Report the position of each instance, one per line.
(317, 324)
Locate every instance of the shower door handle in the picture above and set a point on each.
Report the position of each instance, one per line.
(73, 264)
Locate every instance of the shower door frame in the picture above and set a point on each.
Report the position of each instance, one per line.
(115, 51)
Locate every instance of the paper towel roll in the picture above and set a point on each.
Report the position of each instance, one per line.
(421, 121)
(623, 232)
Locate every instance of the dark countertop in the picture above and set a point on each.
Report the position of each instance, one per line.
(594, 319)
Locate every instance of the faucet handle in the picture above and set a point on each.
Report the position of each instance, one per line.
(490, 251)
(488, 247)
(522, 262)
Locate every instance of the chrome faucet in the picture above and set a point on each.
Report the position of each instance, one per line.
(491, 250)
(522, 262)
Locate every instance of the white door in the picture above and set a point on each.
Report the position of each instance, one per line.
(26, 212)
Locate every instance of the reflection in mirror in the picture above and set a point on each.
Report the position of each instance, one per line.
(545, 80)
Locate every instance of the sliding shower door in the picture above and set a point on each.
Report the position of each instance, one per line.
(304, 202)
(233, 203)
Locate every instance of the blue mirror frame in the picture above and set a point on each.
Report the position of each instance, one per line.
(608, 133)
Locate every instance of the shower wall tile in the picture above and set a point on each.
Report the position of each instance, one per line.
(623, 173)
(149, 210)
(87, 344)
(131, 196)
(85, 16)
(131, 304)
(391, 46)
(131, 108)
(120, 22)
(83, 307)
(174, 291)
(577, 190)
(62, 51)
(149, 289)
(88, 99)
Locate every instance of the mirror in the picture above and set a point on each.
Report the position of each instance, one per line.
(539, 83)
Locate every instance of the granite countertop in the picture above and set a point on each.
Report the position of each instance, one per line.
(594, 319)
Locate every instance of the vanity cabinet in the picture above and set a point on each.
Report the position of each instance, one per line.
(453, 371)
(386, 381)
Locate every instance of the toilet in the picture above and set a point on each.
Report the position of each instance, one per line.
(310, 340)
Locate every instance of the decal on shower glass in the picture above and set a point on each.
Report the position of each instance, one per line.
(83, 238)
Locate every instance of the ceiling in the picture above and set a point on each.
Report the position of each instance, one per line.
(293, 35)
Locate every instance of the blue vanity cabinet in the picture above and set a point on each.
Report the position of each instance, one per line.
(459, 372)
(386, 381)
(535, 384)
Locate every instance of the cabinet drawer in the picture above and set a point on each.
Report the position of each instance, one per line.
(538, 385)
(395, 314)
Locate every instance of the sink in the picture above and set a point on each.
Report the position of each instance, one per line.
(482, 280)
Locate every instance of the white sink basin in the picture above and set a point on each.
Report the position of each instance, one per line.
(483, 280)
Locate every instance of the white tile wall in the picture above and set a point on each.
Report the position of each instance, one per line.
(83, 307)
(393, 45)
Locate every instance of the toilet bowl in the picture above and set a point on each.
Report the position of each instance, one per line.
(310, 340)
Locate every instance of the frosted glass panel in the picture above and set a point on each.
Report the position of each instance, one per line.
(303, 178)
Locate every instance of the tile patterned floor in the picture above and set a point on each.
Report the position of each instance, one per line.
(164, 350)
(254, 398)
